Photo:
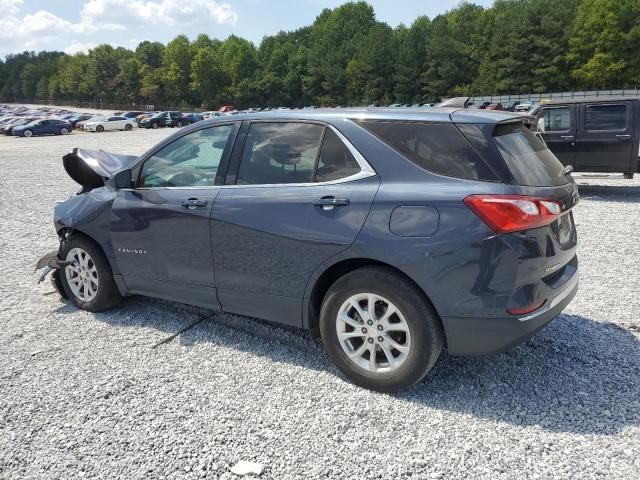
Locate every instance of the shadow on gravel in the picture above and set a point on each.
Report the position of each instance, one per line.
(578, 375)
(610, 193)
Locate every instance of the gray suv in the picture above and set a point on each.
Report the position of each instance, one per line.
(391, 233)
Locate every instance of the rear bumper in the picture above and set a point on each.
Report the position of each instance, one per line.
(478, 336)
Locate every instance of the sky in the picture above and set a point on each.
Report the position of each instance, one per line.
(78, 25)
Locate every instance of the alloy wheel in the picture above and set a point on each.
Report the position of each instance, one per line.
(373, 333)
(82, 275)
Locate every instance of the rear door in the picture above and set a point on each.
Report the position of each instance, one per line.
(298, 194)
(605, 137)
(559, 130)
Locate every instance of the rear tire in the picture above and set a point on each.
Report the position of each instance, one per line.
(88, 283)
(412, 335)
(99, 129)
(28, 133)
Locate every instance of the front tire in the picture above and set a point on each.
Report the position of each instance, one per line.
(64, 131)
(379, 330)
(88, 281)
(128, 127)
(179, 124)
(99, 129)
(27, 133)
(154, 125)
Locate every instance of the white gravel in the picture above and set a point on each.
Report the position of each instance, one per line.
(85, 395)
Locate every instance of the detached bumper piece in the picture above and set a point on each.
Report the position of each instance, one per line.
(52, 263)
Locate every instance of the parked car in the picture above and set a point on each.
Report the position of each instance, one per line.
(212, 114)
(510, 106)
(189, 118)
(391, 233)
(50, 126)
(524, 107)
(598, 134)
(79, 118)
(81, 123)
(7, 129)
(131, 115)
(114, 122)
(162, 119)
(226, 108)
(494, 106)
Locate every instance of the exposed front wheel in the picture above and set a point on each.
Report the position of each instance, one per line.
(179, 124)
(87, 280)
(154, 125)
(64, 131)
(28, 133)
(128, 127)
(99, 129)
(379, 330)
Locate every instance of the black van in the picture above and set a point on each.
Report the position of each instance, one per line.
(597, 134)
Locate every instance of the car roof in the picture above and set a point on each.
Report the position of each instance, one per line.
(433, 114)
(607, 99)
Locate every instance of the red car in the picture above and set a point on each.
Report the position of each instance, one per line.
(494, 106)
(226, 108)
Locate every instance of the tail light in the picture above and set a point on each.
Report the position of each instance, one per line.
(513, 213)
(526, 309)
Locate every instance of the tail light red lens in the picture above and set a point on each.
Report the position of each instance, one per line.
(513, 213)
(527, 309)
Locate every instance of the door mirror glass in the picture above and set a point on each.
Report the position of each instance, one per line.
(123, 179)
(189, 161)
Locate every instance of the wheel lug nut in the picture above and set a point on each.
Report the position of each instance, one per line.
(364, 330)
(370, 340)
(380, 327)
(380, 339)
(370, 322)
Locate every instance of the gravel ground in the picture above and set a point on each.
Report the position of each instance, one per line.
(85, 395)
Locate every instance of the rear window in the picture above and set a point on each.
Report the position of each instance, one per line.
(527, 157)
(437, 147)
(605, 117)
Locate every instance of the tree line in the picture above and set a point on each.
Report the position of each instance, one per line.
(348, 57)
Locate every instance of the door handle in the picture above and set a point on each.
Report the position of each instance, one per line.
(568, 138)
(193, 203)
(329, 203)
(623, 137)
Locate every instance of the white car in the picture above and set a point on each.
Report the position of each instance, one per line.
(212, 114)
(110, 123)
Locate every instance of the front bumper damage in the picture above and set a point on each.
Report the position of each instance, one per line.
(51, 263)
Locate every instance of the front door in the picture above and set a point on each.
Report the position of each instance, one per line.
(300, 197)
(160, 230)
(557, 123)
(605, 138)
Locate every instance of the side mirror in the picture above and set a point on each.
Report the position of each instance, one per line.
(123, 179)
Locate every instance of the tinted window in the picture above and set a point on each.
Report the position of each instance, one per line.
(437, 147)
(280, 153)
(605, 117)
(336, 161)
(190, 161)
(527, 157)
(556, 119)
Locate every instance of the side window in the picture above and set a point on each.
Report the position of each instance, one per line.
(437, 147)
(189, 161)
(605, 117)
(556, 119)
(280, 153)
(336, 161)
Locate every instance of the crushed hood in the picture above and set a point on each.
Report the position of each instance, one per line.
(91, 168)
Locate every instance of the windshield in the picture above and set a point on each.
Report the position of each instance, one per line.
(528, 158)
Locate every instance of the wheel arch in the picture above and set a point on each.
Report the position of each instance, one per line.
(331, 274)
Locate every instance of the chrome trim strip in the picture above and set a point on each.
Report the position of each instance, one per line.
(366, 171)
